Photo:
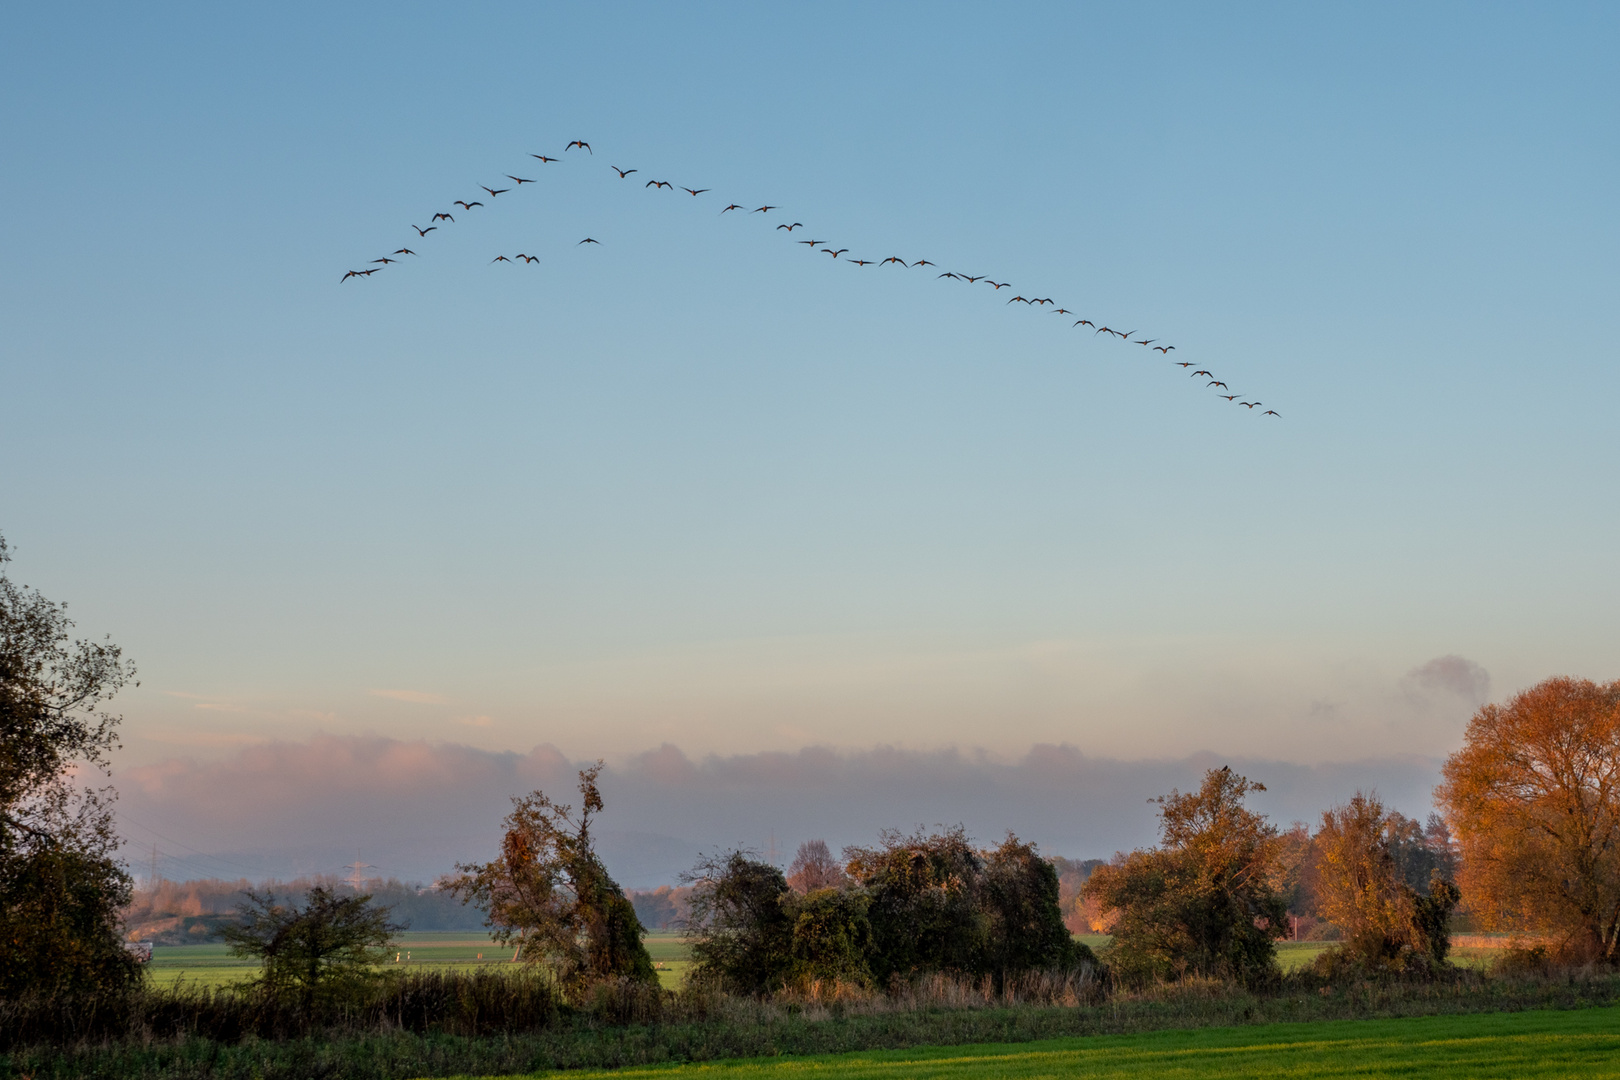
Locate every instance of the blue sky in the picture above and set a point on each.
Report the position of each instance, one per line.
(697, 485)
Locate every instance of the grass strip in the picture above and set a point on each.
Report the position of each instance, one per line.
(1547, 1045)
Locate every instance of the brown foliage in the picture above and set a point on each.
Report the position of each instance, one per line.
(1361, 886)
(1534, 797)
(814, 867)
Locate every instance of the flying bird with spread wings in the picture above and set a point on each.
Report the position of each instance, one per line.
(581, 144)
(622, 172)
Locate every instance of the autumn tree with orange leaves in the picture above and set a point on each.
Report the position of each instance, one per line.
(1534, 798)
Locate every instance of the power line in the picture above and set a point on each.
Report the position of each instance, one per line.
(188, 847)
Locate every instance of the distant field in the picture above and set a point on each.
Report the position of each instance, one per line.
(1542, 1045)
(213, 965)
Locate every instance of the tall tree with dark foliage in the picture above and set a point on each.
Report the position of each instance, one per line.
(61, 886)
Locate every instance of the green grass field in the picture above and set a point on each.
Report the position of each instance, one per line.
(213, 965)
(1543, 1045)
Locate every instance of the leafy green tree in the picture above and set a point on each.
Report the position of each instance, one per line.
(317, 951)
(739, 929)
(925, 903)
(61, 886)
(1026, 928)
(830, 935)
(550, 891)
(1206, 901)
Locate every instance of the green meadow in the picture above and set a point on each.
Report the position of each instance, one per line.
(213, 965)
(1541, 1045)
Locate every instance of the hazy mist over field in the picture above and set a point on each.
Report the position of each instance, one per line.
(411, 808)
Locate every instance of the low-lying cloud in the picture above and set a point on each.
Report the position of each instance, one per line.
(414, 808)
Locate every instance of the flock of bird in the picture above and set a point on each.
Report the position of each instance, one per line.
(824, 247)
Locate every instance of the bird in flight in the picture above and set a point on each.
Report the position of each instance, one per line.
(438, 217)
(1184, 363)
(921, 262)
(694, 192)
(860, 262)
(763, 209)
(660, 184)
(1106, 330)
(385, 261)
(728, 209)
(467, 205)
(588, 240)
(1163, 348)
(404, 251)
(500, 258)
(895, 259)
(1223, 386)
(1195, 374)
(834, 254)
(971, 279)
(526, 258)
(1272, 412)
(1250, 404)
(494, 192)
(1228, 397)
(790, 228)
(948, 274)
(358, 273)
(622, 172)
(1149, 341)
(1048, 300)
(518, 179)
(1126, 336)
(1062, 311)
(1085, 322)
(997, 285)
(421, 232)
(582, 144)
(1015, 299)
(543, 157)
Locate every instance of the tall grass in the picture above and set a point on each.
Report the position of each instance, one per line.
(483, 1023)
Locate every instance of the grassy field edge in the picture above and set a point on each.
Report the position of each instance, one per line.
(1534, 1043)
(751, 1030)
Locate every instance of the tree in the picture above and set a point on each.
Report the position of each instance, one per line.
(925, 905)
(1534, 798)
(813, 867)
(1026, 929)
(315, 951)
(1206, 902)
(61, 886)
(830, 936)
(740, 932)
(550, 891)
(1365, 857)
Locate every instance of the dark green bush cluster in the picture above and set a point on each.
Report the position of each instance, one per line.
(913, 905)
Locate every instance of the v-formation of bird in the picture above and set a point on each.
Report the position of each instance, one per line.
(1036, 303)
